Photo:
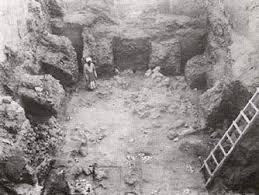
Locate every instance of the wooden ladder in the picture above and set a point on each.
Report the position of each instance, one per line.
(230, 139)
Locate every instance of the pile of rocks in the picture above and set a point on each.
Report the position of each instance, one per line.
(157, 77)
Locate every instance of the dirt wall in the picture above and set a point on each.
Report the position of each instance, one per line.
(233, 41)
(13, 17)
(191, 8)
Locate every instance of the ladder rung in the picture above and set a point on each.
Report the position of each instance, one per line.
(214, 158)
(207, 168)
(229, 138)
(237, 127)
(245, 117)
(253, 105)
(222, 149)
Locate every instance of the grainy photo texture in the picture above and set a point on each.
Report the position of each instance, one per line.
(129, 97)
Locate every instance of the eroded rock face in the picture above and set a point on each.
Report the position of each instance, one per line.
(55, 8)
(56, 184)
(190, 32)
(13, 123)
(167, 55)
(16, 170)
(57, 57)
(132, 53)
(41, 95)
(12, 116)
(223, 102)
(196, 72)
(42, 140)
(233, 41)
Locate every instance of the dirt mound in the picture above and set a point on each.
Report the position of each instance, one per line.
(222, 103)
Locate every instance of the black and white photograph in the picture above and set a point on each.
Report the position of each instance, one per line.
(129, 97)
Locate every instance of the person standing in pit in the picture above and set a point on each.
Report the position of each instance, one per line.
(90, 74)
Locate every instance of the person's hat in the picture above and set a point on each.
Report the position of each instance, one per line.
(88, 59)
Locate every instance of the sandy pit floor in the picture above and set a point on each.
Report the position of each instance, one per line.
(131, 128)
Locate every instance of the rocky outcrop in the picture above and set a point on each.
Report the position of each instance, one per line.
(132, 53)
(12, 33)
(57, 57)
(167, 55)
(15, 169)
(12, 116)
(54, 8)
(90, 27)
(42, 141)
(13, 123)
(190, 32)
(232, 40)
(222, 103)
(41, 95)
(19, 26)
(56, 183)
(196, 72)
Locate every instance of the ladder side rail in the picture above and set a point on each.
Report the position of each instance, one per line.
(254, 106)
(250, 100)
(255, 94)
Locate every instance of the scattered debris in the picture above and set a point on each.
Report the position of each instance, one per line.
(38, 89)
(172, 135)
(131, 179)
(214, 135)
(189, 169)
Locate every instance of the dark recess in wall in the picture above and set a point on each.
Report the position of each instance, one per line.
(188, 52)
(132, 53)
(34, 109)
(74, 33)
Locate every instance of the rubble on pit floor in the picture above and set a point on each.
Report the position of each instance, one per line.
(157, 78)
